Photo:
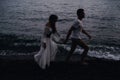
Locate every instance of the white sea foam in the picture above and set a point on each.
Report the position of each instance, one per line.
(99, 53)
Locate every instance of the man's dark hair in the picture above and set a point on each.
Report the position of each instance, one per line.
(80, 11)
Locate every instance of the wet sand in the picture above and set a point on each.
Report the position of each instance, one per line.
(27, 69)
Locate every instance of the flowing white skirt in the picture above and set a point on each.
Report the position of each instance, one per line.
(45, 56)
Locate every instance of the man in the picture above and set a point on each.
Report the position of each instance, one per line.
(76, 30)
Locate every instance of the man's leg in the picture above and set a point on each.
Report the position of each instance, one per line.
(73, 46)
(85, 47)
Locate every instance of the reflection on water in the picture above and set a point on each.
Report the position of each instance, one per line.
(26, 19)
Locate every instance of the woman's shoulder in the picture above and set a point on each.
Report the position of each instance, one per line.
(47, 24)
(47, 27)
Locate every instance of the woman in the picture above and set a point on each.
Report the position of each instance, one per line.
(48, 48)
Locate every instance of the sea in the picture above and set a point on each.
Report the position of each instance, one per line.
(22, 23)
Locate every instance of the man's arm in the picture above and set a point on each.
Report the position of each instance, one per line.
(68, 34)
(83, 31)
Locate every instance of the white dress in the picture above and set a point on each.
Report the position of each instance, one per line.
(46, 55)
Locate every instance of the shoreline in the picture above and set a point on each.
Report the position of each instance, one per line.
(27, 69)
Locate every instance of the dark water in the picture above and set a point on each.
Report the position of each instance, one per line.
(22, 23)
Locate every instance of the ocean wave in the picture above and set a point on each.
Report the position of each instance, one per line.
(33, 19)
(103, 18)
(11, 44)
(64, 49)
(99, 51)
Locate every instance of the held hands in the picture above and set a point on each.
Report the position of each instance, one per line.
(61, 41)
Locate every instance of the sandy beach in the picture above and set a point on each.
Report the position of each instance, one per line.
(27, 69)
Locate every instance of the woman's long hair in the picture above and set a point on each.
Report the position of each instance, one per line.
(53, 19)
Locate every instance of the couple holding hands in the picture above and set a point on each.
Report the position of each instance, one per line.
(51, 37)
